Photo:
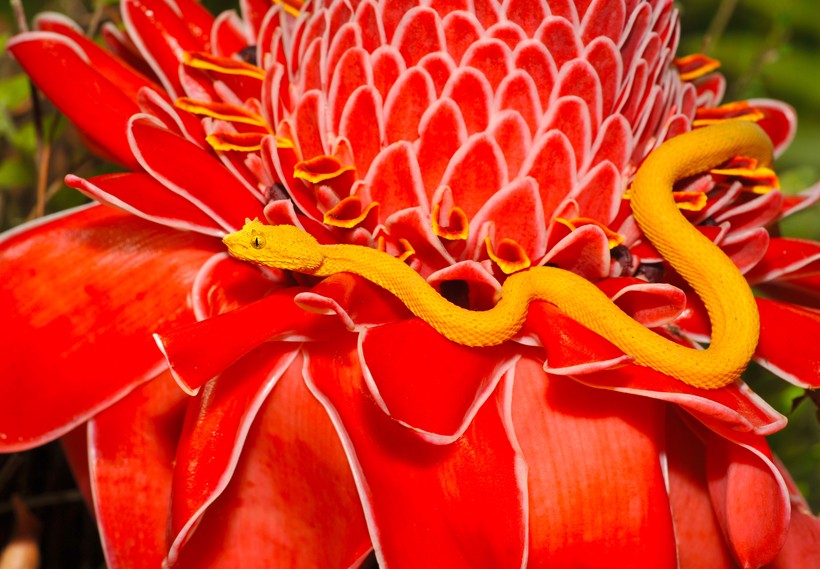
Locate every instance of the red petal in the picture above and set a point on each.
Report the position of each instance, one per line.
(474, 96)
(748, 494)
(603, 18)
(476, 171)
(198, 19)
(394, 180)
(516, 213)
(141, 195)
(519, 93)
(699, 537)
(578, 79)
(651, 304)
(204, 463)
(571, 116)
(593, 468)
(229, 34)
(253, 12)
(419, 33)
(441, 133)
(613, 144)
(94, 295)
(570, 347)
(561, 39)
(387, 66)
(788, 342)
(358, 302)
(491, 57)
(779, 122)
(512, 134)
(440, 385)
(107, 65)
(533, 57)
(803, 541)
(229, 336)
(552, 163)
(599, 193)
(734, 407)
(362, 123)
(462, 29)
(473, 487)
(350, 74)
(162, 36)
(193, 173)
(786, 258)
(605, 58)
(103, 122)
(132, 447)
(292, 501)
(585, 251)
(526, 14)
(408, 99)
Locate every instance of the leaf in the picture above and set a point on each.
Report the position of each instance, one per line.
(14, 91)
(15, 172)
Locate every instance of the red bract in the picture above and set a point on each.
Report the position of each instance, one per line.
(318, 420)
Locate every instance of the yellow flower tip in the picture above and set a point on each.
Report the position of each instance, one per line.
(690, 201)
(457, 226)
(229, 66)
(406, 249)
(221, 111)
(695, 66)
(738, 110)
(292, 7)
(348, 213)
(320, 169)
(754, 178)
(613, 238)
(509, 256)
(235, 141)
(282, 142)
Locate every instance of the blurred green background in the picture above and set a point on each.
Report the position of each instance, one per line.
(768, 49)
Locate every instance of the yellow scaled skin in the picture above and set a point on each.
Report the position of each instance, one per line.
(713, 276)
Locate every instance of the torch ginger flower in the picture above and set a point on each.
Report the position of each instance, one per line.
(293, 421)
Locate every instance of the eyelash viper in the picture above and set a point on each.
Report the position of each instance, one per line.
(717, 281)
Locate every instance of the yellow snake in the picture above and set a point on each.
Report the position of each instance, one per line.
(713, 276)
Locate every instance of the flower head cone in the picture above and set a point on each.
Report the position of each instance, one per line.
(317, 417)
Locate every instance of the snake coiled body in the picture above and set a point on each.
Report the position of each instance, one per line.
(717, 281)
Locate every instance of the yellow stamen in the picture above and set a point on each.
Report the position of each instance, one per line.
(226, 65)
(458, 227)
(739, 110)
(221, 111)
(292, 7)
(348, 213)
(320, 169)
(696, 65)
(238, 141)
(614, 239)
(510, 256)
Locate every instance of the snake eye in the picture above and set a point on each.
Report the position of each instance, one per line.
(258, 241)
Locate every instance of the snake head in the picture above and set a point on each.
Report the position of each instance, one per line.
(280, 246)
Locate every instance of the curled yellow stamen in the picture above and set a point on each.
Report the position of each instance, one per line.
(348, 213)
(696, 65)
(509, 255)
(457, 228)
(614, 239)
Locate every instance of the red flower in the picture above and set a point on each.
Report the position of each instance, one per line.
(472, 139)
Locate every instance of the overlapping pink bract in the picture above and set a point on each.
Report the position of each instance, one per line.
(278, 421)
